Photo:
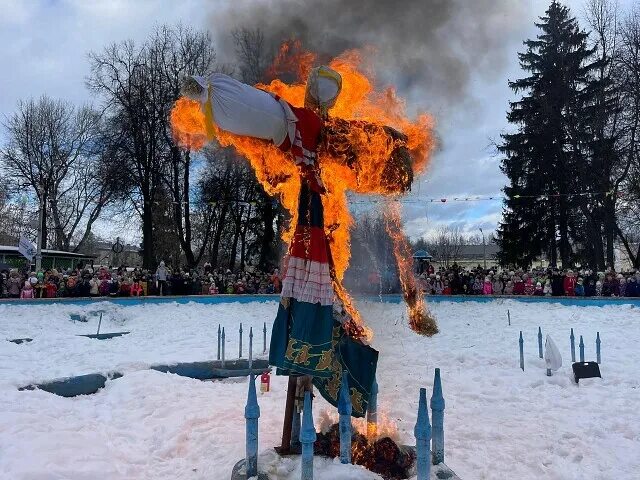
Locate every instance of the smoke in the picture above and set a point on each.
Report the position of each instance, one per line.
(429, 49)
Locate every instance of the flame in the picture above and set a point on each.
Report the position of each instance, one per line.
(292, 58)
(363, 170)
(386, 426)
(420, 319)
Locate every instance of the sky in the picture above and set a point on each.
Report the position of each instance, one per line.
(44, 45)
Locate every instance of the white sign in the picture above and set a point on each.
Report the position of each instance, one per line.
(26, 248)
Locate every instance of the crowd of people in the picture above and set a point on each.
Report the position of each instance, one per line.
(104, 281)
(535, 282)
(125, 282)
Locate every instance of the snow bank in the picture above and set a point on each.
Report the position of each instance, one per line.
(500, 422)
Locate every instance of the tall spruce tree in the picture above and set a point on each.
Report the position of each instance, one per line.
(539, 156)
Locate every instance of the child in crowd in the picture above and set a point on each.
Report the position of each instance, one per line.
(27, 290)
(136, 288)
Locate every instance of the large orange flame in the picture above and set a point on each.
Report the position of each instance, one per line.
(368, 142)
(420, 319)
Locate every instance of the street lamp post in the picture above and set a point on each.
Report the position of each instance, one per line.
(484, 249)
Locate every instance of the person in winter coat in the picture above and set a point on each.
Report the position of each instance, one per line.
(557, 284)
(547, 290)
(447, 288)
(622, 286)
(438, 286)
(508, 288)
(598, 289)
(94, 286)
(590, 288)
(27, 290)
(161, 277)
(13, 285)
(539, 291)
(633, 288)
(579, 288)
(610, 286)
(51, 289)
(477, 286)
(518, 287)
(498, 286)
(529, 287)
(487, 288)
(569, 284)
(136, 289)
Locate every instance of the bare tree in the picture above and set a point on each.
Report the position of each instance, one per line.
(131, 84)
(446, 244)
(50, 152)
(180, 52)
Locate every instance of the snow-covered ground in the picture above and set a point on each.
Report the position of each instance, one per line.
(500, 422)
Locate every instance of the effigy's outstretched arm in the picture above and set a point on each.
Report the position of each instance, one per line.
(239, 108)
(350, 142)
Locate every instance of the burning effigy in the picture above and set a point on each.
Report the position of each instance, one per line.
(309, 143)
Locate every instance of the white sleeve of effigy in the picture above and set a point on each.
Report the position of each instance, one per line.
(245, 110)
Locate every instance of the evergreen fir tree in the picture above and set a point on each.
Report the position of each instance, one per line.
(539, 156)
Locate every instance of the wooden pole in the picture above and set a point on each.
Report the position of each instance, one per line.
(285, 446)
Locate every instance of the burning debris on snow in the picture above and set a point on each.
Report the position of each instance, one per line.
(383, 456)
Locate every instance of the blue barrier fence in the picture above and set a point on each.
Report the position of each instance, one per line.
(217, 299)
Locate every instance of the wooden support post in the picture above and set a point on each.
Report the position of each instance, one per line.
(540, 354)
(307, 438)
(521, 342)
(437, 416)
(295, 432)
(572, 338)
(581, 349)
(598, 358)
(344, 409)
(372, 412)
(252, 414)
(285, 445)
(422, 432)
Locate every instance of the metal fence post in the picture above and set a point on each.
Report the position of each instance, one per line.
(437, 416)
(250, 348)
(509, 317)
(252, 414)
(307, 438)
(573, 346)
(264, 338)
(219, 333)
(344, 409)
(581, 349)
(422, 432)
(521, 342)
(540, 343)
(223, 344)
(240, 344)
(598, 358)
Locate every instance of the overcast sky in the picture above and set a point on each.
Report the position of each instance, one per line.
(43, 47)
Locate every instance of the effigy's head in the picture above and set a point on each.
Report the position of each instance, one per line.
(323, 87)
